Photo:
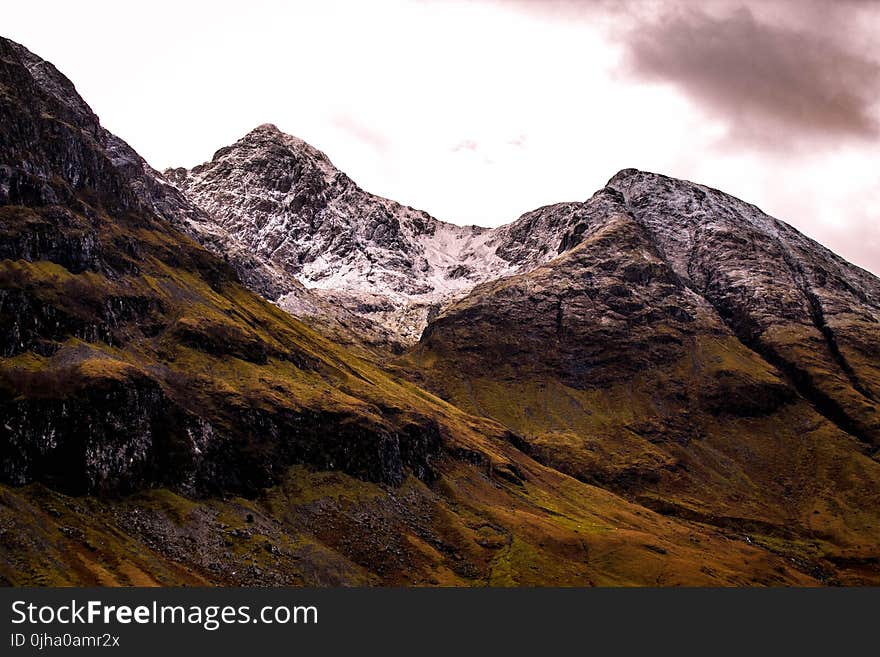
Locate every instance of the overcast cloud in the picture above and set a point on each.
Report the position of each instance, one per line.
(774, 85)
(480, 110)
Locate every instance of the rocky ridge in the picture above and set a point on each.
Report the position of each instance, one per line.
(130, 356)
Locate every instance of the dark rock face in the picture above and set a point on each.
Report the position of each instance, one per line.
(36, 151)
(82, 431)
(111, 436)
(807, 311)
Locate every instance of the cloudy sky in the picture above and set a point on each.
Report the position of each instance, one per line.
(479, 111)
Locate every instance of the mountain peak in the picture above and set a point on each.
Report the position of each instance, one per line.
(266, 128)
(272, 133)
(627, 178)
(266, 143)
(623, 174)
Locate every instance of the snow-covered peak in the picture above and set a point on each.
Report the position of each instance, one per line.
(285, 200)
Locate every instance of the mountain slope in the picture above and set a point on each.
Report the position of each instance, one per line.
(621, 365)
(113, 320)
(803, 308)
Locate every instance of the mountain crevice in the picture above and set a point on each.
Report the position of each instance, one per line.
(817, 315)
(748, 333)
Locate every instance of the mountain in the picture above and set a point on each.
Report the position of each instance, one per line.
(795, 303)
(153, 191)
(134, 357)
(692, 354)
(388, 263)
(164, 424)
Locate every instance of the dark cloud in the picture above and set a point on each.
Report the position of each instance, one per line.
(778, 73)
(772, 84)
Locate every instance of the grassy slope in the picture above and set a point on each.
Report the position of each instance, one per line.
(326, 528)
(491, 515)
